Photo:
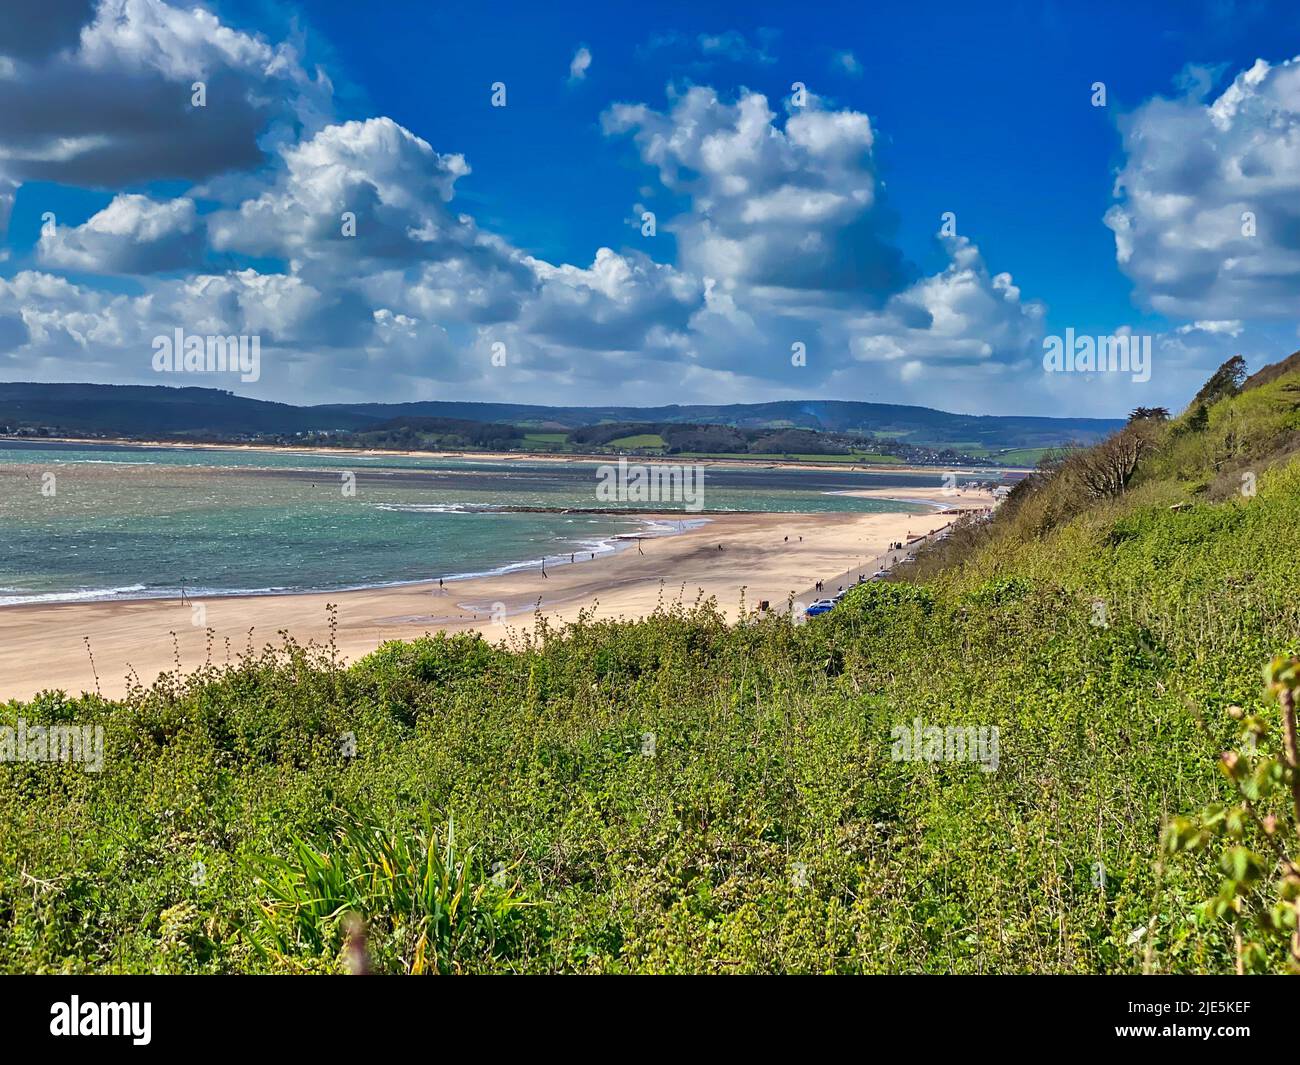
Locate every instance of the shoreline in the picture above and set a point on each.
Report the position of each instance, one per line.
(608, 546)
(759, 462)
(759, 557)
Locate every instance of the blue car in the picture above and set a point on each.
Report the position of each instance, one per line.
(822, 606)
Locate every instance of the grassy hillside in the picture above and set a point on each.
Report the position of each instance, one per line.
(680, 795)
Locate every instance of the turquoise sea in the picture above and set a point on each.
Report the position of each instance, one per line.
(81, 522)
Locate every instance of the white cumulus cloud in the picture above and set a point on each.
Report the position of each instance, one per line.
(1207, 222)
(132, 235)
(579, 63)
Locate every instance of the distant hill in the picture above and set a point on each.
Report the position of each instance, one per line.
(143, 410)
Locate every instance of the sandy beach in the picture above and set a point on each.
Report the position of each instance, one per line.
(770, 556)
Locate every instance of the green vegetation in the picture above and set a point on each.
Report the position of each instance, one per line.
(1025, 456)
(413, 434)
(429, 905)
(639, 440)
(1259, 896)
(682, 795)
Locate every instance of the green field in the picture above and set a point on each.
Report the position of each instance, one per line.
(544, 441)
(680, 794)
(641, 440)
(1024, 456)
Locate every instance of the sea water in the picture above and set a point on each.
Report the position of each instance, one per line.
(85, 522)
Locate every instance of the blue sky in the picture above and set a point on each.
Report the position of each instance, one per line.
(984, 113)
(984, 109)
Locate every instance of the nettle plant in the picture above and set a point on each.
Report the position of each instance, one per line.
(1258, 834)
